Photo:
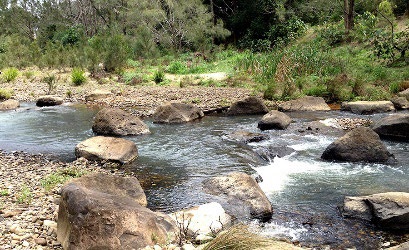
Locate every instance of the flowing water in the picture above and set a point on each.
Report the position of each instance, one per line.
(174, 160)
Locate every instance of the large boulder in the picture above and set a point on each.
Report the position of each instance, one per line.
(205, 219)
(386, 210)
(249, 106)
(400, 102)
(403, 246)
(306, 103)
(368, 107)
(107, 148)
(393, 127)
(360, 144)
(114, 121)
(242, 193)
(49, 100)
(107, 212)
(177, 113)
(274, 120)
(9, 104)
(98, 94)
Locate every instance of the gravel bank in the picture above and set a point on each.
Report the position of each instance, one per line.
(28, 212)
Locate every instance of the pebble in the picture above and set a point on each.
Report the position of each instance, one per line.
(40, 241)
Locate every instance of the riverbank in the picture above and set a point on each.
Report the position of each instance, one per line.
(138, 99)
(29, 197)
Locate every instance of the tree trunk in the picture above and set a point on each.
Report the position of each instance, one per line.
(349, 15)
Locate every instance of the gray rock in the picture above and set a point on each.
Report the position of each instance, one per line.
(400, 102)
(274, 120)
(393, 127)
(270, 152)
(385, 210)
(9, 104)
(368, 107)
(404, 246)
(107, 148)
(307, 103)
(114, 121)
(246, 137)
(360, 144)
(242, 193)
(249, 106)
(177, 113)
(98, 94)
(109, 215)
(49, 100)
(404, 93)
(205, 219)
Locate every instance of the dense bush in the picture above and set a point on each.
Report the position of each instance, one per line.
(77, 77)
(158, 76)
(10, 74)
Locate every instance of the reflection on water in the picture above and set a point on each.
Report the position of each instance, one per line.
(175, 159)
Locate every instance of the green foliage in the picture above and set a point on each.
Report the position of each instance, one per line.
(4, 192)
(51, 83)
(333, 34)
(269, 91)
(5, 94)
(365, 25)
(28, 74)
(10, 74)
(158, 76)
(60, 177)
(78, 76)
(25, 196)
(177, 67)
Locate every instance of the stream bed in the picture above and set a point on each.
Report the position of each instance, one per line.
(305, 191)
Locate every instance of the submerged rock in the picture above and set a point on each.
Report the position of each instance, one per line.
(49, 100)
(274, 120)
(177, 113)
(9, 104)
(368, 107)
(246, 137)
(307, 103)
(113, 121)
(393, 127)
(360, 144)
(270, 152)
(386, 210)
(243, 195)
(107, 148)
(107, 212)
(205, 219)
(249, 106)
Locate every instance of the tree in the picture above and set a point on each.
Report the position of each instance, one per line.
(349, 15)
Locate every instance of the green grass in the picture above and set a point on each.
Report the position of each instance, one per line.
(5, 94)
(25, 196)
(4, 192)
(60, 177)
(78, 77)
(10, 74)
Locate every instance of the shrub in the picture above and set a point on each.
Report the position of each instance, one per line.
(176, 67)
(158, 76)
(10, 74)
(78, 77)
(5, 94)
(333, 34)
(61, 177)
(51, 82)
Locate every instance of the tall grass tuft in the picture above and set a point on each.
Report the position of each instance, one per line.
(5, 94)
(10, 74)
(78, 77)
(237, 237)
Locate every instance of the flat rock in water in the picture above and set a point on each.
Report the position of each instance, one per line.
(368, 107)
(393, 127)
(107, 212)
(385, 210)
(274, 120)
(177, 113)
(107, 148)
(9, 104)
(243, 195)
(98, 94)
(49, 100)
(249, 106)
(307, 103)
(360, 144)
(114, 121)
(400, 102)
(204, 219)
(246, 137)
